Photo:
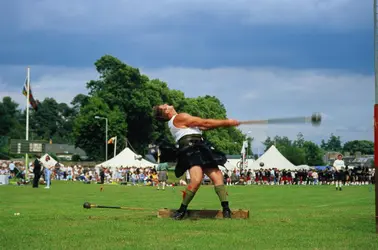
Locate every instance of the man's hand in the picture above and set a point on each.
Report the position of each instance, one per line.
(234, 122)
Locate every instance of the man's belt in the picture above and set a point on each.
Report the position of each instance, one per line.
(189, 140)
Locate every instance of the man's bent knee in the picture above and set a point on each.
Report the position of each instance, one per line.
(194, 185)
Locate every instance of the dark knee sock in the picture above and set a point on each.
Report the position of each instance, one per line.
(187, 197)
(222, 194)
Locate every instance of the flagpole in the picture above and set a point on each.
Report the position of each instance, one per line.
(115, 146)
(27, 120)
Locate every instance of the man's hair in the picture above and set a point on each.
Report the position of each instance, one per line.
(158, 114)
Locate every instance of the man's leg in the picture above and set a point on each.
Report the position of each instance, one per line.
(36, 180)
(196, 175)
(217, 178)
(47, 176)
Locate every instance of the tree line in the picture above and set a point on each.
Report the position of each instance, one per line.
(301, 151)
(125, 97)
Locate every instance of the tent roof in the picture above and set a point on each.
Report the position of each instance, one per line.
(272, 158)
(127, 158)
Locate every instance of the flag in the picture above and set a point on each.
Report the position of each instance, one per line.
(111, 140)
(34, 103)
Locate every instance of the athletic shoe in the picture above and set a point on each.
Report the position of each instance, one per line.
(179, 215)
(227, 213)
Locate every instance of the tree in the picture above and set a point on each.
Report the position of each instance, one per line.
(9, 117)
(268, 143)
(363, 146)
(287, 148)
(228, 140)
(54, 121)
(135, 94)
(333, 144)
(79, 101)
(313, 154)
(90, 132)
(300, 141)
(294, 154)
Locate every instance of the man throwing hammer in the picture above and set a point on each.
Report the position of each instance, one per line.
(195, 155)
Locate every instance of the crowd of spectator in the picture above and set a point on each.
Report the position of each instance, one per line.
(353, 176)
(149, 176)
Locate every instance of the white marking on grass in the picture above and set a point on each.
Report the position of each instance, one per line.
(343, 202)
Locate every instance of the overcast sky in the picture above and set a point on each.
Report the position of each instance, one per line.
(262, 58)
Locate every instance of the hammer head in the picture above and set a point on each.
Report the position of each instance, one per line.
(87, 205)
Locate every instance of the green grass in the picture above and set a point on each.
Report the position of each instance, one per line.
(281, 217)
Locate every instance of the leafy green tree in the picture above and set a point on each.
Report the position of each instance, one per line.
(297, 152)
(313, 154)
(135, 94)
(363, 146)
(294, 154)
(79, 101)
(9, 118)
(300, 141)
(333, 144)
(89, 132)
(53, 120)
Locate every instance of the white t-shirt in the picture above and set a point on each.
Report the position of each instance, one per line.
(11, 166)
(339, 165)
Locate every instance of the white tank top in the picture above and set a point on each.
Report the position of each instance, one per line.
(178, 133)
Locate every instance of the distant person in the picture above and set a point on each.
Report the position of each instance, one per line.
(12, 169)
(37, 172)
(47, 176)
(339, 171)
(102, 175)
(162, 178)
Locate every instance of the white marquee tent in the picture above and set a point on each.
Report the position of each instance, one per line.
(305, 167)
(127, 158)
(232, 164)
(272, 158)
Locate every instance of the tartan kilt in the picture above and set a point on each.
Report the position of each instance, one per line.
(198, 153)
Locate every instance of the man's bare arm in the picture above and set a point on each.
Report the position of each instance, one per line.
(186, 120)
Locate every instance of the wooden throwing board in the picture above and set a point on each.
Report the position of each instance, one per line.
(208, 214)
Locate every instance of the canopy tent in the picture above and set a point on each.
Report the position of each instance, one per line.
(127, 158)
(321, 168)
(272, 158)
(232, 164)
(304, 167)
(229, 165)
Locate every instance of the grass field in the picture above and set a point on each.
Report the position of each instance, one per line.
(281, 217)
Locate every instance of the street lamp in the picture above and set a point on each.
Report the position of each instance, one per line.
(247, 148)
(248, 141)
(106, 135)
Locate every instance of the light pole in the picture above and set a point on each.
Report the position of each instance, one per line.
(247, 143)
(106, 135)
